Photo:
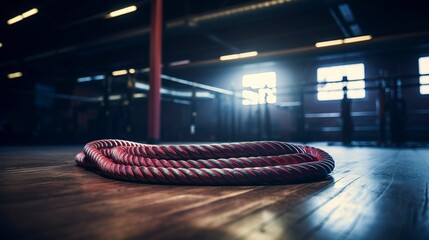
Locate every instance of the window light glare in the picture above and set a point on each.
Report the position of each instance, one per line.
(424, 89)
(424, 65)
(119, 72)
(239, 55)
(178, 63)
(89, 78)
(14, 75)
(84, 79)
(115, 97)
(98, 77)
(122, 11)
(259, 80)
(261, 88)
(20, 17)
(331, 89)
(142, 86)
(424, 80)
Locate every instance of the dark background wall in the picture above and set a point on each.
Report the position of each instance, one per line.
(31, 115)
(48, 106)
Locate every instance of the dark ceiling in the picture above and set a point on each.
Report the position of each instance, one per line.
(76, 37)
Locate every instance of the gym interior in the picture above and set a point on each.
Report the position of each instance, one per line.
(342, 85)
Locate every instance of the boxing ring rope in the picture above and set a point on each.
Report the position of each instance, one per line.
(244, 163)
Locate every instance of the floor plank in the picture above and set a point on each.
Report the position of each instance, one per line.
(373, 193)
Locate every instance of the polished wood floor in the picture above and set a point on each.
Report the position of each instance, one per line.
(372, 194)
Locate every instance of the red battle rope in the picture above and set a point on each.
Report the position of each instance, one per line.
(266, 162)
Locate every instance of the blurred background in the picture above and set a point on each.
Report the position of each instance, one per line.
(346, 71)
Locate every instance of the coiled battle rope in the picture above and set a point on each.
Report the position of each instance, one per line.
(264, 162)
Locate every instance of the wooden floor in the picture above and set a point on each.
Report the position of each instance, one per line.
(372, 194)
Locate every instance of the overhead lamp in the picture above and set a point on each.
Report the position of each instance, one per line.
(343, 41)
(329, 43)
(1, 44)
(122, 11)
(20, 17)
(358, 39)
(14, 20)
(131, 70)
(119, 72)
(239, 55)
(14, 75)
(178, 63)
(30, 13)
(239, 9)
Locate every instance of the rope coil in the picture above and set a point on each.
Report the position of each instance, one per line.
(265, 162)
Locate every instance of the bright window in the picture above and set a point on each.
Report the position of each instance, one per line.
(330, 89)
(424, 80)
(259, 88)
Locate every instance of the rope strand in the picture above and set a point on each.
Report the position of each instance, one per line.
(265, 162)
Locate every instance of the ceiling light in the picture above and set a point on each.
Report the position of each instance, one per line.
(248, 54)
(358, 39)
(142, 86)
(343, 41)
(239, 55)
(14, 20)
(229, 57)
(178, 63)
(239, 9)
(119, 72)
(132, 70)
(1, 44)
(14, 75)
(122, 11)
(20, 17)
(329, 43)
(30, 13)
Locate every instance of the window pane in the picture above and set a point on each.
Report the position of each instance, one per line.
(424, 69)
(250, 97)
(336, 73)
(262, 88)
(360, 93)
(322, 96)
(356, 85)
(354, 71)
(424, 65)
(424, 80)
(424, 89)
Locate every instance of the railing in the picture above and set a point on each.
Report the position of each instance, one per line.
(212, 113)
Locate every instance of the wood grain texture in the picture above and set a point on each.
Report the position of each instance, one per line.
(372, 194)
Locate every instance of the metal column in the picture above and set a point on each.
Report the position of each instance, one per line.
(154, 113)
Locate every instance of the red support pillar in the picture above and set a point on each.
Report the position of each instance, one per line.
(154, 114)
